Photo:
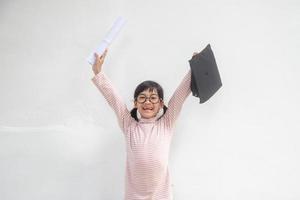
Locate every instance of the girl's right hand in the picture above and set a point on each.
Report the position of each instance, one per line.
(195, 53)
(97, 66)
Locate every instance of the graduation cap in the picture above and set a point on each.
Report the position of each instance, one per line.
(205, 80)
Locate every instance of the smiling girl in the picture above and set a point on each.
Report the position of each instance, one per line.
(148, 131)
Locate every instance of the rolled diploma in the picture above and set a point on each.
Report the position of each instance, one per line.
(110, 36)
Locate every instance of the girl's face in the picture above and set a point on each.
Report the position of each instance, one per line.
(148, 104)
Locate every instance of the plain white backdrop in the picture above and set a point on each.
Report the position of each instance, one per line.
(60, 140)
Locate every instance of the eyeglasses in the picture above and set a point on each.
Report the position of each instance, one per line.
(143, 98)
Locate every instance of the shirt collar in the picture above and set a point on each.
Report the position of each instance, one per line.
(149, 120)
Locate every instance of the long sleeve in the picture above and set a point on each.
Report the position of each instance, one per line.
(111, 95)
(177, 100)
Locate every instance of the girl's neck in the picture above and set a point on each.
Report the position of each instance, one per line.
(152, 119)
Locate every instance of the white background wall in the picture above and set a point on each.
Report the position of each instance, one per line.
(59, 139)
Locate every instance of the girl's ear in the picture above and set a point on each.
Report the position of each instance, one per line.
(162, 104)
(135, 104)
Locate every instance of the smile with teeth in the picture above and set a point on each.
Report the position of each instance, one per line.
(148, 108)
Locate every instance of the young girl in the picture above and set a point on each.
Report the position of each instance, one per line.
(148, 130)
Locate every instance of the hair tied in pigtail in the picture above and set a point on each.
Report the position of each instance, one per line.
(133, 114)
(165, 109)
(162, 111)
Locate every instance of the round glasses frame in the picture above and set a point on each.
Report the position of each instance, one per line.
(151, 99)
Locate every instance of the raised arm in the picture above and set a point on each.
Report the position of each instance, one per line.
(109, 92)
(177, 100)
(113, 98)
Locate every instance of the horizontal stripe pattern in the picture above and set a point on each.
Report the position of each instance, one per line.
(147, 142)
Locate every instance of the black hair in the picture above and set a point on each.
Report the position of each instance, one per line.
(151, 85)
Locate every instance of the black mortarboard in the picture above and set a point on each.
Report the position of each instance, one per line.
(205, 80)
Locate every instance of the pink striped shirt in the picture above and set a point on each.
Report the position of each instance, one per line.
(147, 142)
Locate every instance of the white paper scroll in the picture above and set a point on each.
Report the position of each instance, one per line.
(107, 40)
